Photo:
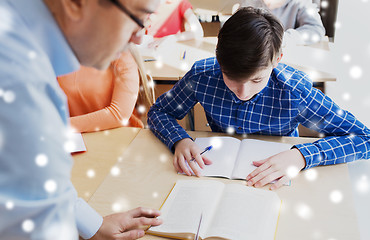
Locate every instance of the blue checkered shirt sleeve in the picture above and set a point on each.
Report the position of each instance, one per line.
(347, 139)
(170, 106)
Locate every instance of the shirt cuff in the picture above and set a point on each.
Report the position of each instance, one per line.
(87, 219)
(174, 139)
(311, 154)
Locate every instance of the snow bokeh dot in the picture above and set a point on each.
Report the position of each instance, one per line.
(216, 143)
(303, 211)
(324, 4)
(355, 72)
(32, 55)
(230, 130)
(346, 58)
(336, 196)
(163, 158)
(9, 205)
(90, 173)
(141, 109)
(346, 96)
(115, 171)
(41, 160)
(311, 174)
(363, 185)
(28, 225)
(9, 96)
(50, 186)
(69, 146)
(292, 171)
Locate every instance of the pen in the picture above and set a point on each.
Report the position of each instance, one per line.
(200, 222)
(205, 150)
(184, 55)
(150, 60)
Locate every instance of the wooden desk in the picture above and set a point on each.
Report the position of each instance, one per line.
(170, 66)
(147, 176)
(104, 149)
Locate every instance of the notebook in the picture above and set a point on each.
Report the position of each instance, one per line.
(232, 158)
(228, 211)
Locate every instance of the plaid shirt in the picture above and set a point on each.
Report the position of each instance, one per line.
(288, 100)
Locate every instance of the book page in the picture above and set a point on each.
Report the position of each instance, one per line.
(254, 150)
(245, 213)
(187, 201)
(75, 142)
(223, 155)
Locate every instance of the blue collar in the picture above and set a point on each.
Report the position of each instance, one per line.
(47, 34)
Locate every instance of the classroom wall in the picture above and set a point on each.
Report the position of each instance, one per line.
(352, 42)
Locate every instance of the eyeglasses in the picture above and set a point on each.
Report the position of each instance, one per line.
(125, 10)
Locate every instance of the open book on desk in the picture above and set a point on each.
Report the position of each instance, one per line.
(233, 158)
(229, 211)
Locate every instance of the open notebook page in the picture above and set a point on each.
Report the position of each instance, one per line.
(245, 213)
(254, 150)
(187, 201)
(223, 155)
(75, 143)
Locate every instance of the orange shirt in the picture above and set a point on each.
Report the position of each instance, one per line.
(99, 100)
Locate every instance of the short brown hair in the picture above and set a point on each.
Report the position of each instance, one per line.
(248, 41)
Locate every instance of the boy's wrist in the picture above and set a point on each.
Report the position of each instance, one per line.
(176, 137)
(302, 157)
(181, 140)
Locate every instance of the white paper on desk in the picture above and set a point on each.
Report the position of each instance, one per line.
(77, 143)
(154, 48)
(311, 57)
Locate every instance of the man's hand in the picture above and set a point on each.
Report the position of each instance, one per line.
(127, 225)
(185, 150)
(280, 167)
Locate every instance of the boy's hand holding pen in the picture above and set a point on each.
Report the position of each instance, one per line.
(204, 151)
(187, 153)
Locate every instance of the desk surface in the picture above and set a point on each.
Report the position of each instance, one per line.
(170, 65)
(147, 175)
(104, 149)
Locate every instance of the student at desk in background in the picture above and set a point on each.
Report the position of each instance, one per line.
(175, 17)
(244, 89)
(100, 100)
(300, 19)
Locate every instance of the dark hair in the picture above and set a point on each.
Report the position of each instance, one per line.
(248, 41)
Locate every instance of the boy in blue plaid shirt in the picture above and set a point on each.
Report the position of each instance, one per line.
(246, 89)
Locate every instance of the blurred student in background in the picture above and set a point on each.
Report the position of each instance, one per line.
(300, 19)
(100, 100)
(175, 17)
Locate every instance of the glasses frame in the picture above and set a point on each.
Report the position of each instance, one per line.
(125, 10)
